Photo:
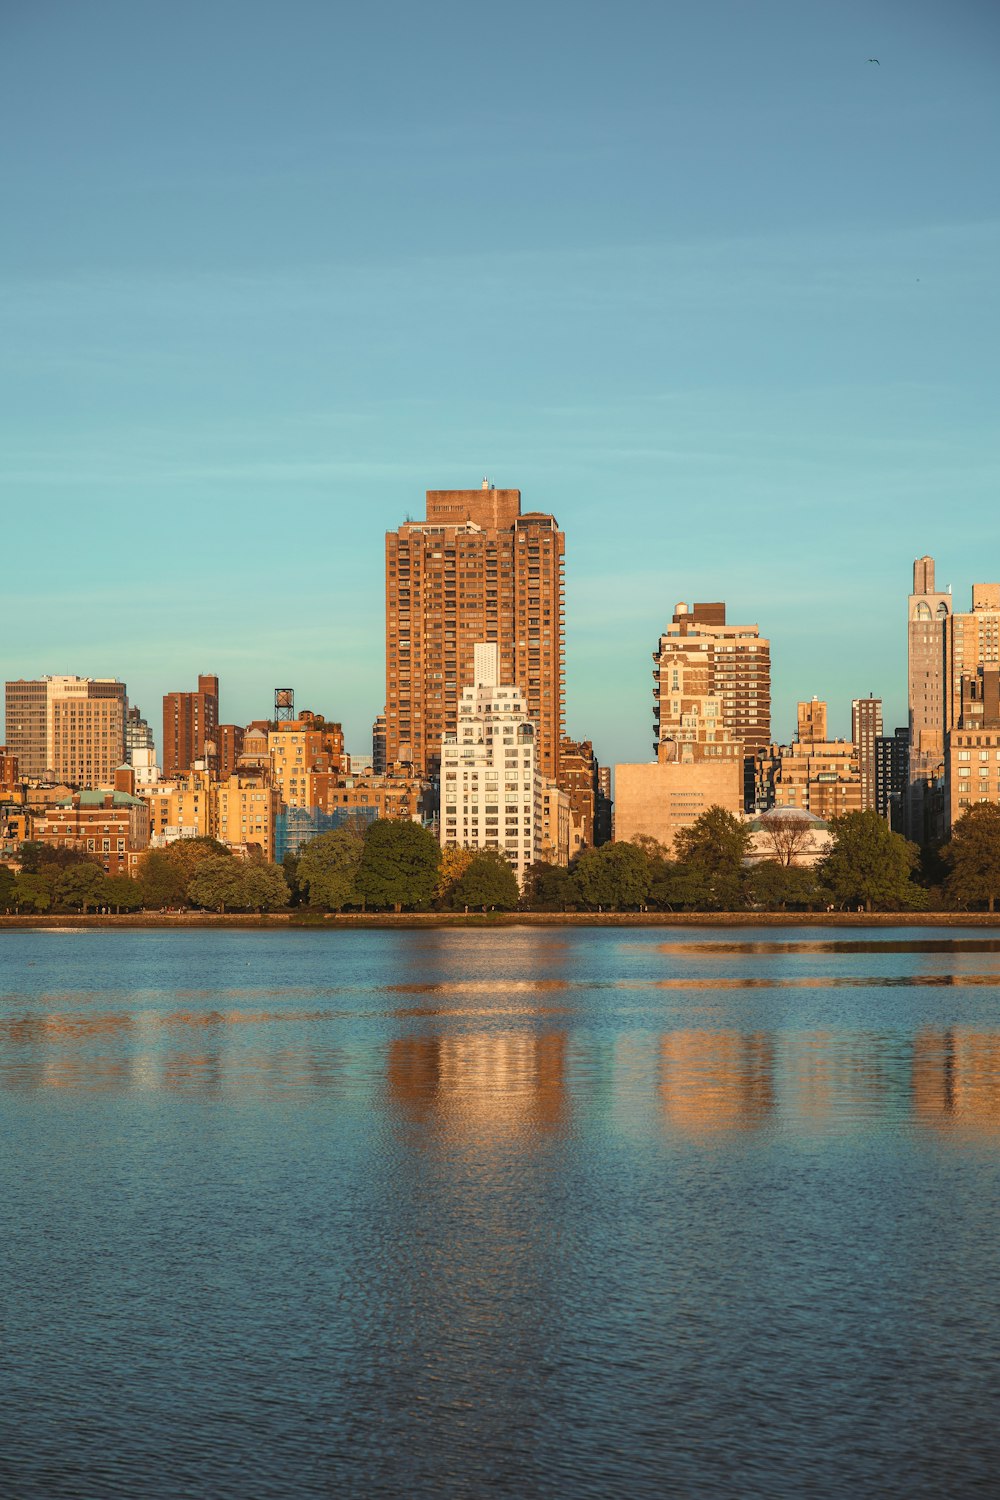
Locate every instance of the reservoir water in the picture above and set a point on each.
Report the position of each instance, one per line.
(458, 1213)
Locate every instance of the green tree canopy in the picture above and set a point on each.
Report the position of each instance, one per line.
(122, 892)
(31, 893)
(327, 870)
(399, 865)
(6, 888)
(81, 887)
(870, 865)
(714, 848)
(218, 884)
(264, 887)
(488, 881)
(776, 885)
(612, 877)
(161, 880)
(549, 887)
(973, 856)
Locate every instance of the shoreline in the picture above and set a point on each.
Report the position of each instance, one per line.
(283, 921)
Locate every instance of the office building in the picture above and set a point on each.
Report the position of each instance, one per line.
(866, 727)
(892, 776)
(475, 570)
(490, 782)
(190, 727)
(67, 729)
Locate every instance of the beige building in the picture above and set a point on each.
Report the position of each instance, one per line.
(178, 809)
(69, 729)
(491, 789)
(813, 774)
(244, 809)
(659, 799)
(927, 687)
(699, 653)
(557, 824)
(972, 754)
(302, 750)
(476, 569)
(973, 641)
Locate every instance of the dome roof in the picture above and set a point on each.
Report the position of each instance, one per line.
(782, 814)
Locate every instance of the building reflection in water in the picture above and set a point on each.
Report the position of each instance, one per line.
(956, 1079)
(716, 1080)
(507, 1081)
(850, 1075)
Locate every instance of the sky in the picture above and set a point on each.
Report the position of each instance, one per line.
(701, 280)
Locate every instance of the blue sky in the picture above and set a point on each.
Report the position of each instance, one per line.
(701, 280)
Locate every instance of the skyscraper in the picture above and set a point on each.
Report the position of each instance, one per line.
(866, 727)
(730, 663)
(476, 570)
(190, 726)
(929, 611)
(67, 729)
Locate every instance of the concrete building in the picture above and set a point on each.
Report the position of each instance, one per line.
(67, 729)
(491, 787)
(111, 826)
(556, 839)
(475, 570)
(929, 611)
(813, 774)
(178, 809)
(657, 800)
(866, 727)
(190, 727)
(378, 746)
(229, 743)
(731, 663)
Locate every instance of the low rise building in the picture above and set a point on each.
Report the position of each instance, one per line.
(243, 813)
(658, 799)
(111, 826)
(178, 809)
(972, 749)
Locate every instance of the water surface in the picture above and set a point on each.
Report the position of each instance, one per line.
(556, 1212)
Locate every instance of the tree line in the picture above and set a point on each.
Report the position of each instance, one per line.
(397, 866)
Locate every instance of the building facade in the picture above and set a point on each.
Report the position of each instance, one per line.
(814, 774)
(730, 663)
(112, 827)
(490, 781)
(866, 727)
(475, 570)
(972, 752)
(659, 799)
(67, 729)
(892, 776)
(190, 727)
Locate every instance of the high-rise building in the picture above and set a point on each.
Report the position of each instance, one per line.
(490, 781)
(378, 746)
(138, 734)
(67, 729)
(190, 727)
(929, 612)
(892, 776)
(973, 641)
(972, 754)
(731, 663)
(866, 727)
(475, 570)
(229, 739)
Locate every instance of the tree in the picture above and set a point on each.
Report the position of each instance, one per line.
(328, 867)
(161, 880)
(974, 856)
(264, 887)
(786, 833)
(776, 886)
(399, 865)
(454, 863)
(714, 848)
(188, 854)
(548, 887)
(6, 888)
(613, 876)
(489, 881)
(81, 886)
(122, 892)
(31, 893)
(218, 883)
(870, 865)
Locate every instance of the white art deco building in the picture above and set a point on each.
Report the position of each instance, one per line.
(490, 781)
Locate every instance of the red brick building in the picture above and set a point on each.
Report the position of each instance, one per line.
(111, 826)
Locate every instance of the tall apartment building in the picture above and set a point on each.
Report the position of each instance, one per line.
(733, 663)
(475, 570)
(973, 641)
(866, 727)
(892, 776)
(580, 777)
(138, 734)
(378, 746)
(190, 727)
(972, 756)
(929, 612)
(490, 779)
(67, 729)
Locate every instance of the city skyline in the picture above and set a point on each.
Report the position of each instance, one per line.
(732, 324)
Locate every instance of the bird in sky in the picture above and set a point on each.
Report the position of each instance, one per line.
(875, 61)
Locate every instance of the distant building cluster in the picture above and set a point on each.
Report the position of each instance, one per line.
(471, 739)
